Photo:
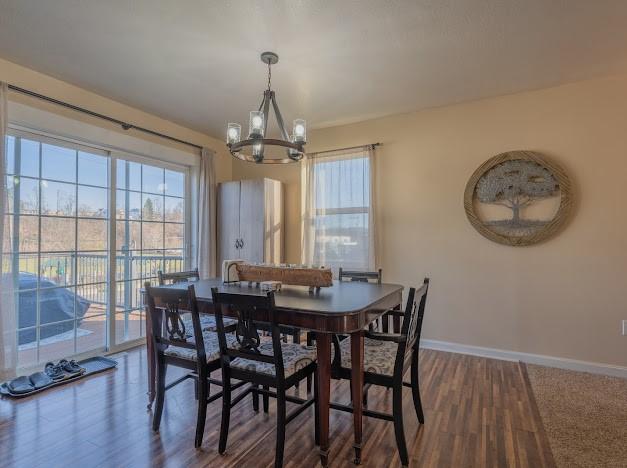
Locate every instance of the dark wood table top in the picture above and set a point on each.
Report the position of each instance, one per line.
(341, 308)
(343, 298)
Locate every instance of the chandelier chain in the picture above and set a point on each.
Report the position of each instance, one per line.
(269, 75)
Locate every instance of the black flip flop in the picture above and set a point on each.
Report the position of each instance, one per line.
(40, 380)
(70, 367)
(20, 385)
(55, 372)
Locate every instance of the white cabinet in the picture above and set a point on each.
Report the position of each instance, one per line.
(250, 221)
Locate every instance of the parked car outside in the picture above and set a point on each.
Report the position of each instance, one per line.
(56, 308)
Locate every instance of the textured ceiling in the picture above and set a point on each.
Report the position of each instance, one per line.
(196, 61)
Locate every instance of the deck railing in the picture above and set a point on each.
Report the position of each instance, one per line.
(92, 271)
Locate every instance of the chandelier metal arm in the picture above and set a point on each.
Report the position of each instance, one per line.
(279, 118)
(263, 100)
(267, 97)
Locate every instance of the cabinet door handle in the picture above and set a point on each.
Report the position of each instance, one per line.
(237, 243)
(241, 243)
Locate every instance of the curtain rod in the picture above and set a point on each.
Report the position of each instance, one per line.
(124, 125)
(369, 145)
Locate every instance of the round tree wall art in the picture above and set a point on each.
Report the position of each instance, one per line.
(518, 198)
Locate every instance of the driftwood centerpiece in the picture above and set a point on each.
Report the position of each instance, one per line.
(297, 276)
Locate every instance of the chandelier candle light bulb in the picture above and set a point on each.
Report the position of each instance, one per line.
(299, 133)
(233, 133)
(256, 125)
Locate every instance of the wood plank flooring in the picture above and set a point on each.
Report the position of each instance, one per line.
(479, 412)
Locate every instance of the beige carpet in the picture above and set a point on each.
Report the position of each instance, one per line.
(584, 415)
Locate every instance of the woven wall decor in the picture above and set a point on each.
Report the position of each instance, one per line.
(523, 185)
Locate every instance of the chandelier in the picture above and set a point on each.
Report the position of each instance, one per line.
(256, 147)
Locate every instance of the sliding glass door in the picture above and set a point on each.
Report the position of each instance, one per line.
(58, 218)
(150, 237)
(77, 245)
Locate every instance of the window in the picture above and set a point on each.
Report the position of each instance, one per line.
(338, 229)
(62, 214)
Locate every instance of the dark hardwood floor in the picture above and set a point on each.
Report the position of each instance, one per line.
(479, 412)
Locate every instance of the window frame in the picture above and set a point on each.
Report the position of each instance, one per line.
(111, 344)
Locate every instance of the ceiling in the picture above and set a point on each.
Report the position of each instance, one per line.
(196, 62)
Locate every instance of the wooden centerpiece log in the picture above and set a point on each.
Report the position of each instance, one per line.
(297, 276)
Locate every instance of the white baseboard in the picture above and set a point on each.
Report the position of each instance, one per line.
(539, 359)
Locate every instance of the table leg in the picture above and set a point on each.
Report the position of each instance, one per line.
(150, 362)
(357, 380)
(323, 346)
(397, 320)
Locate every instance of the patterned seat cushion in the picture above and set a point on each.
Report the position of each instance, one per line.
(295, 357)
(212, 347)
(207, 322)
(379, 356)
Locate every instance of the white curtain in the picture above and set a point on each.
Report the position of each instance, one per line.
(206, 216)
(338, 224)
(8, 343)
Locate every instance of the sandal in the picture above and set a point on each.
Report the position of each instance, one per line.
(55, 372)
(71, 367)
(20, 385)
(40, 380)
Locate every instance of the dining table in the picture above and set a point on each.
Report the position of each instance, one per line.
(345, 308)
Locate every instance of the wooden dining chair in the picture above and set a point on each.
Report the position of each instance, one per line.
(387, 356)
(376, 277)
(178, 276)
(357, 276)
(207, 321)
(274, 364)
(176, 344)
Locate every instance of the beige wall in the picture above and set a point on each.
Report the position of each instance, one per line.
(563, 298)
(43, 84)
